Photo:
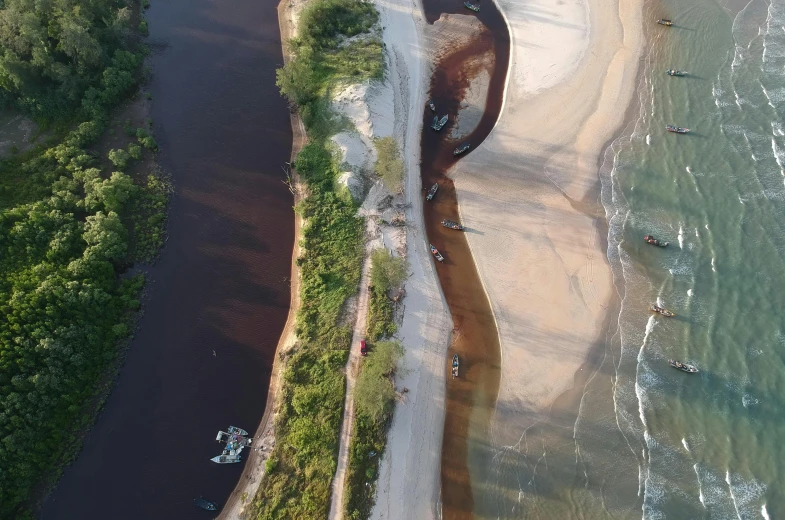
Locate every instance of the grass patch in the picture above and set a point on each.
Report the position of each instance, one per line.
(389, 165)
(388, 272)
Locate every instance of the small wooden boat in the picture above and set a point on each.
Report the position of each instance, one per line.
(676, 129)
(473, 7)
(455, 365)
(234, 430)
(438, 124)
(653, 241)
(431, 106)
(452, 225)
(432, 191)
(665, 21)
(674, 72)
(461, 149)
(684, 367)
(205, 504)
(662, 310)
(226, 459)
(437, 254)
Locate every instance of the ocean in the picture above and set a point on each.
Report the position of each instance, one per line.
(649, 441)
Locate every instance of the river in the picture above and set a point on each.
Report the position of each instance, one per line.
(219, 295)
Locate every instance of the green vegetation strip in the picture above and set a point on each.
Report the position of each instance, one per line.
(303, 463)
(65, 242)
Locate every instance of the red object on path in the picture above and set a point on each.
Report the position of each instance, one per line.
(363, 348)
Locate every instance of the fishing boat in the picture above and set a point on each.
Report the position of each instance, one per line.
(461, 149)
(674, 72)
(662, 310)
(234, 430)
(432, 191)
(226, 459)
(473, 7)
(455, 364)
(653, 241)
(205, 504)
(437, 254)
(684, 367)
(438, 124)
(665, 21)
(234, 442)
(452, 225)
(431, 106)
(676, 129)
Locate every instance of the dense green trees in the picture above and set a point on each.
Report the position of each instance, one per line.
(63, 230)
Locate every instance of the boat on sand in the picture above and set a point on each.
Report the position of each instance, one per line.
(461, 149)
(653, 241)
(452, 225)
(676, 129)
(662, 310)
(437, 254)
(432, 191)
(684, 367)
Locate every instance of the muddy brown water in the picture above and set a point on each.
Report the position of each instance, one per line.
(472, 396)
(222, 282)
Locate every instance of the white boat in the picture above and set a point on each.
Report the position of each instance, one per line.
(237, 431)
(438, 124)
(226, 459)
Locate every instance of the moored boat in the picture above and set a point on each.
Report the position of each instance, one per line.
(461, 149)
(437, 254)
(653, 241)
(432, 191)
(665, 21)
(226, 459)
(205, 504)
(234, 430)
(455, 365)
(438, 124)
(662, 310)
(676, 129)
(431, 106)
(684, 367)
(674, 72)
(473, 7)
(452, 225)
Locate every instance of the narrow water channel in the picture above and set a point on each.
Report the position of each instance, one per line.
(219, 296)
(472, 396)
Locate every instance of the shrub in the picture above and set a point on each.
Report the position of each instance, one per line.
(119, 158)
(389, 165)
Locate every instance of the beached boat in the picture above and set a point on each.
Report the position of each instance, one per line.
(473, 7)
(226, 459)
(653, 241)
(665, 21)
(431, 106)
(438, 124)
(684, 367)
(455, 365)
(437, 254)
(461, 149)
(234, 430)
(432, 191)
(205, 504)
(452, 225)
(676, 129)
(674, 72)
(662, 310)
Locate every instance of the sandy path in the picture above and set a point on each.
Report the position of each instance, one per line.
(352, 368)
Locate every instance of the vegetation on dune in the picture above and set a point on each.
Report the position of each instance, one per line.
(388, 272)
(302, 465)
(389, 165)
(65, 216)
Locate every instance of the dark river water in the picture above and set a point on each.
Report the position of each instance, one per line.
(222, 282)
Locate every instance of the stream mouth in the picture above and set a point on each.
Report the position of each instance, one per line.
(471, 397)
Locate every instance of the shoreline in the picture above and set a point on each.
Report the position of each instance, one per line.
(253, 472)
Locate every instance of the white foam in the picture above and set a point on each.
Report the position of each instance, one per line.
(763, 512)
(684, 443)
(681, 237)
(689, 292)
(700, 487)
(648, 139)
(713, 267)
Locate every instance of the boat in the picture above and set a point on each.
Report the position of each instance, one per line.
(684, 367)
(452, 225)
(674, 72)
(437, 254)
(205, 504)
(676, 129)
(455, 365)
(234, 430)
(662, 310)
(438, 124)
(665, 21)
(475, 8)
(226, 459)
(431, 106)
(653, 241)
(432, 191)
(461, 149)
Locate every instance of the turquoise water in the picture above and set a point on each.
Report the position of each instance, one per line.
(650, 441)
